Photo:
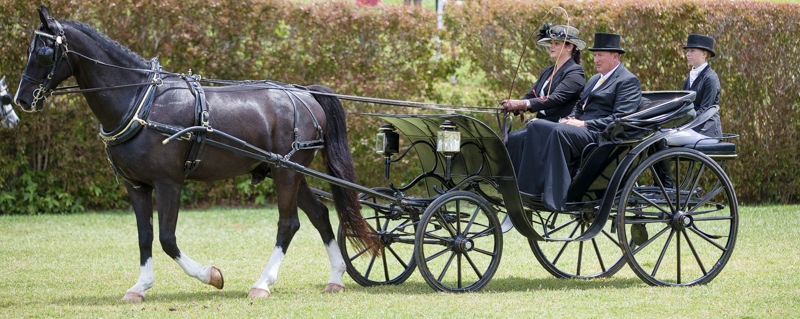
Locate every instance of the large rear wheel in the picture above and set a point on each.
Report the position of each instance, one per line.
(681, 234)
(598, 257)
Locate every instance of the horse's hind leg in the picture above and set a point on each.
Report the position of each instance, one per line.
(168, 200)
(286, 183)
(142, 200)
(318, 215)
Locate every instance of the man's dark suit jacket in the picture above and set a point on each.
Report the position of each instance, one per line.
(707, 87)
(618, 96)
(566, 87)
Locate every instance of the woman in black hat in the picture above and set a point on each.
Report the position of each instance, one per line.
(558, 87)
(703, 80)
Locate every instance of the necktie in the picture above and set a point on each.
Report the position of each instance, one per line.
(599, 83)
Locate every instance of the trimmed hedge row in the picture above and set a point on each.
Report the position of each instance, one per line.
(54, 161)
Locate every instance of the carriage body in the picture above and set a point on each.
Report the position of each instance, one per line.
(615, 195)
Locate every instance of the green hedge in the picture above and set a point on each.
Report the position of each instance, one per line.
(54, 161)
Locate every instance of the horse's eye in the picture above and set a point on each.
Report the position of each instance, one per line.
(45, 56)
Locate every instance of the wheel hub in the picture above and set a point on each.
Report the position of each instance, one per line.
(682, 220)
(463, 244)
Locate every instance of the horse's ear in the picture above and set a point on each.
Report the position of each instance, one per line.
(44, 15)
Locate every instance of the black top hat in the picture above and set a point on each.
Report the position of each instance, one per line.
(699, 41)
(607, 42)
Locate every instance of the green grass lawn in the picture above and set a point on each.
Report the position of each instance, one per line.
(80, 266)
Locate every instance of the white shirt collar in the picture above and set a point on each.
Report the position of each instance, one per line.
(607, 75)
(695, 72)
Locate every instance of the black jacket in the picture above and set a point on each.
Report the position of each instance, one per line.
(708, 88)
(618, 96)
(565, 89)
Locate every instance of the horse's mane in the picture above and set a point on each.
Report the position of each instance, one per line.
(85, 28)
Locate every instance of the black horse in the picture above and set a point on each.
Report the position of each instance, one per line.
(8, 119)
(118, 84)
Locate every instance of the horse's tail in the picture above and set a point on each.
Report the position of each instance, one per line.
(339, 163)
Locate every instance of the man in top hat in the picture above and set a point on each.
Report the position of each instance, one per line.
(703, 80)
(612, 93)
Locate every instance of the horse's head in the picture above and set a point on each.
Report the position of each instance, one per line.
(7, 116)
(47, 66)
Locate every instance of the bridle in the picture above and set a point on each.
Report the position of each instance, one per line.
(48, 56)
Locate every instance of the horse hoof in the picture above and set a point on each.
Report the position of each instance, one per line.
(132, 297)
(258, 293)
(331, 287)
(216, 278)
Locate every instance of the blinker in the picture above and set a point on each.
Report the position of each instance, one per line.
(6, 99)
(45, 56)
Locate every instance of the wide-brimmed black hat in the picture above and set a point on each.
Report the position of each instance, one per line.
(699, 41)
(607, 42)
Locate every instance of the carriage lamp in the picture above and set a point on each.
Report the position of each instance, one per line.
(387, 143)
(448, 142)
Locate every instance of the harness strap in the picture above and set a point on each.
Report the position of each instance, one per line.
(201, 117)
(297, 145)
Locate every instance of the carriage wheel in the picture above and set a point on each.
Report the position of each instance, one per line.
(395, 263)
(595, 258)
(459, 243)
(681, 235)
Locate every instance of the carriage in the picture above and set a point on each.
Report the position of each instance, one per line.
(619, 210)
(449, 221)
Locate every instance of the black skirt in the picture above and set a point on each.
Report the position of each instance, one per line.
(544, 154)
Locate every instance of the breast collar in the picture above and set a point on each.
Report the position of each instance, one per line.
(136, 117)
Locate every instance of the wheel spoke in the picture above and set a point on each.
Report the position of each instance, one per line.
(651, 240)
(396, 256)
(599, 258)
(458, 267)
(458, 217)
(485, 232)
(474, 268)
(472, 220)
(614, 240)
(446, 266)
(403, 225)
(649, 201)
(713, 218)
(678, 256)
(663, 190)
(663, 252)
(385, 266)
(706, 198)
(676, 184)
(483, 252)
(369, 268)
(361, 252)
(694, 252)
(646, 221)
(709, 240)
(438, 254)
(561, 251)
(564, 225)
(443, 222)
(580, 252)
(694, 184)
(443, 239)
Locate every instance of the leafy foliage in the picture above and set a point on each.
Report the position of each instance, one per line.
(57, 161)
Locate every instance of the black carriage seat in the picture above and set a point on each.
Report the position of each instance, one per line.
(662, 109)
(715, 148)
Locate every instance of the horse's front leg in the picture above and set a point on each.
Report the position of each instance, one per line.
(168, 200)
(286, 183)
(142, 200)
(317, 213)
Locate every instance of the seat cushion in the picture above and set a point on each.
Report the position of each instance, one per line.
(721, 148)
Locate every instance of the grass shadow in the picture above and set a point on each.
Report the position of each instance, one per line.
(513, 284)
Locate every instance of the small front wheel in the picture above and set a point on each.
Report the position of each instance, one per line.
(459, 243)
